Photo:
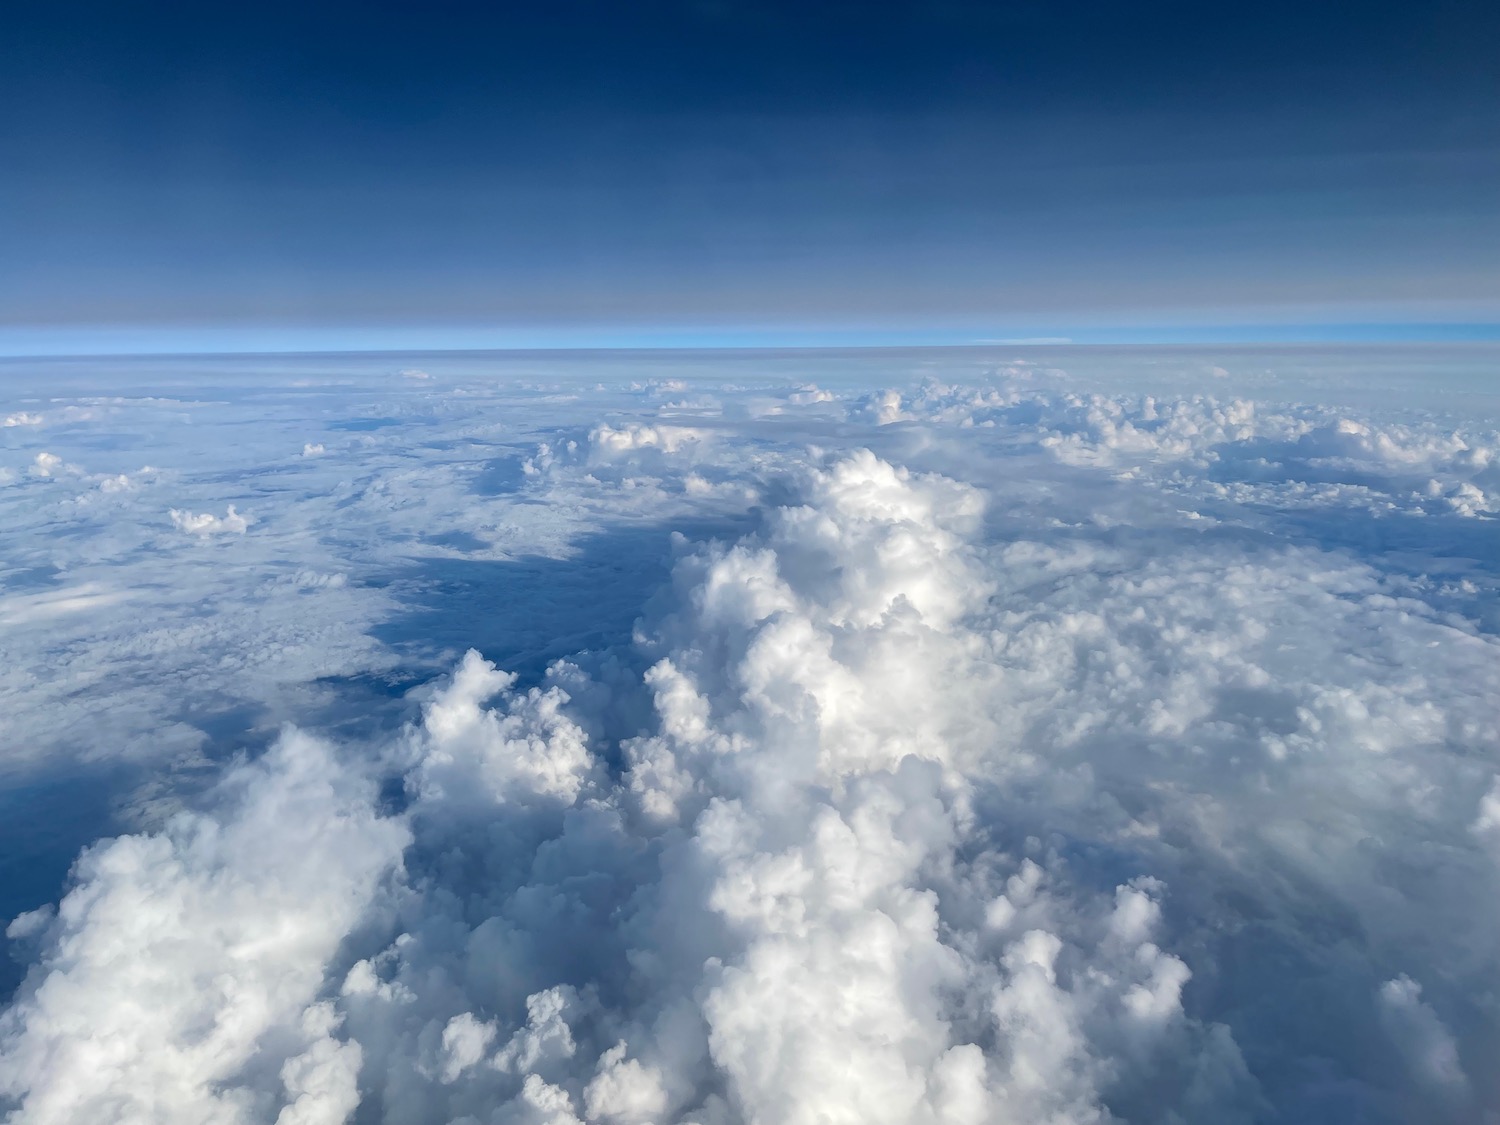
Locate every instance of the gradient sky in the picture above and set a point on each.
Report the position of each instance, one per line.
(614, 172)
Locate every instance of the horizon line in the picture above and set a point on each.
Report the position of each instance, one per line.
(597, 349)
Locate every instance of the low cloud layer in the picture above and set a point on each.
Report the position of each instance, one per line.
(1009, 755)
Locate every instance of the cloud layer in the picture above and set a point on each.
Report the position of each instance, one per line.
(1010, 754)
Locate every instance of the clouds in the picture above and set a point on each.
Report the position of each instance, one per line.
(532, 749)
(1426, 1046)
(206, 523)
(46, 465)
(963, 778)
(608, 440)
(178, 958)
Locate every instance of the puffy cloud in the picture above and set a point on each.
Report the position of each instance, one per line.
(624, 1091)
(126, 482)
(808, 394)
(322, 1081)
(1426, 1046)
(183, 963)
(881, 408)
(967, 779)
(607, 441)
(787, 913)
(529, 749)
(206, 523)
(48, 465)
(465, 1041)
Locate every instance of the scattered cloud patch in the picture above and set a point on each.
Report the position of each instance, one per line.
(206, 523)
(127, 482)
(48, 466)
(607, 441)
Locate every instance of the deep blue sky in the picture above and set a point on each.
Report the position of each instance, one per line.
(607, 172)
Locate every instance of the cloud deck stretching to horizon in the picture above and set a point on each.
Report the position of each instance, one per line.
(651, 746)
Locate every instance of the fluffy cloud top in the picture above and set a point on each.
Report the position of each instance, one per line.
(206, 523)
(1015, 756)
(181, 961)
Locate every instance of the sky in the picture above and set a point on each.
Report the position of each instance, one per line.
(263, 176)
(528, 676)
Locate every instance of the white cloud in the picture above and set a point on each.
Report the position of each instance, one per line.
(465, 1041)
(48, 465)
(955, 773)
(881, 408)
(624, 1091)
(178, 958)
(206, 523)
(126, 482)
(17, 609)
(322, 1082)
(608, 441)
(530, 749)
(808, 395)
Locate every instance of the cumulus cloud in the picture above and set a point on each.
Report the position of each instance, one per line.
(881, 407)
(126, 482)
(48, 465)
(181, 973)
(206, 523)
(808, 394)
(965, 779)
(606, 440)
(773, 865)
(1426, 1046)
